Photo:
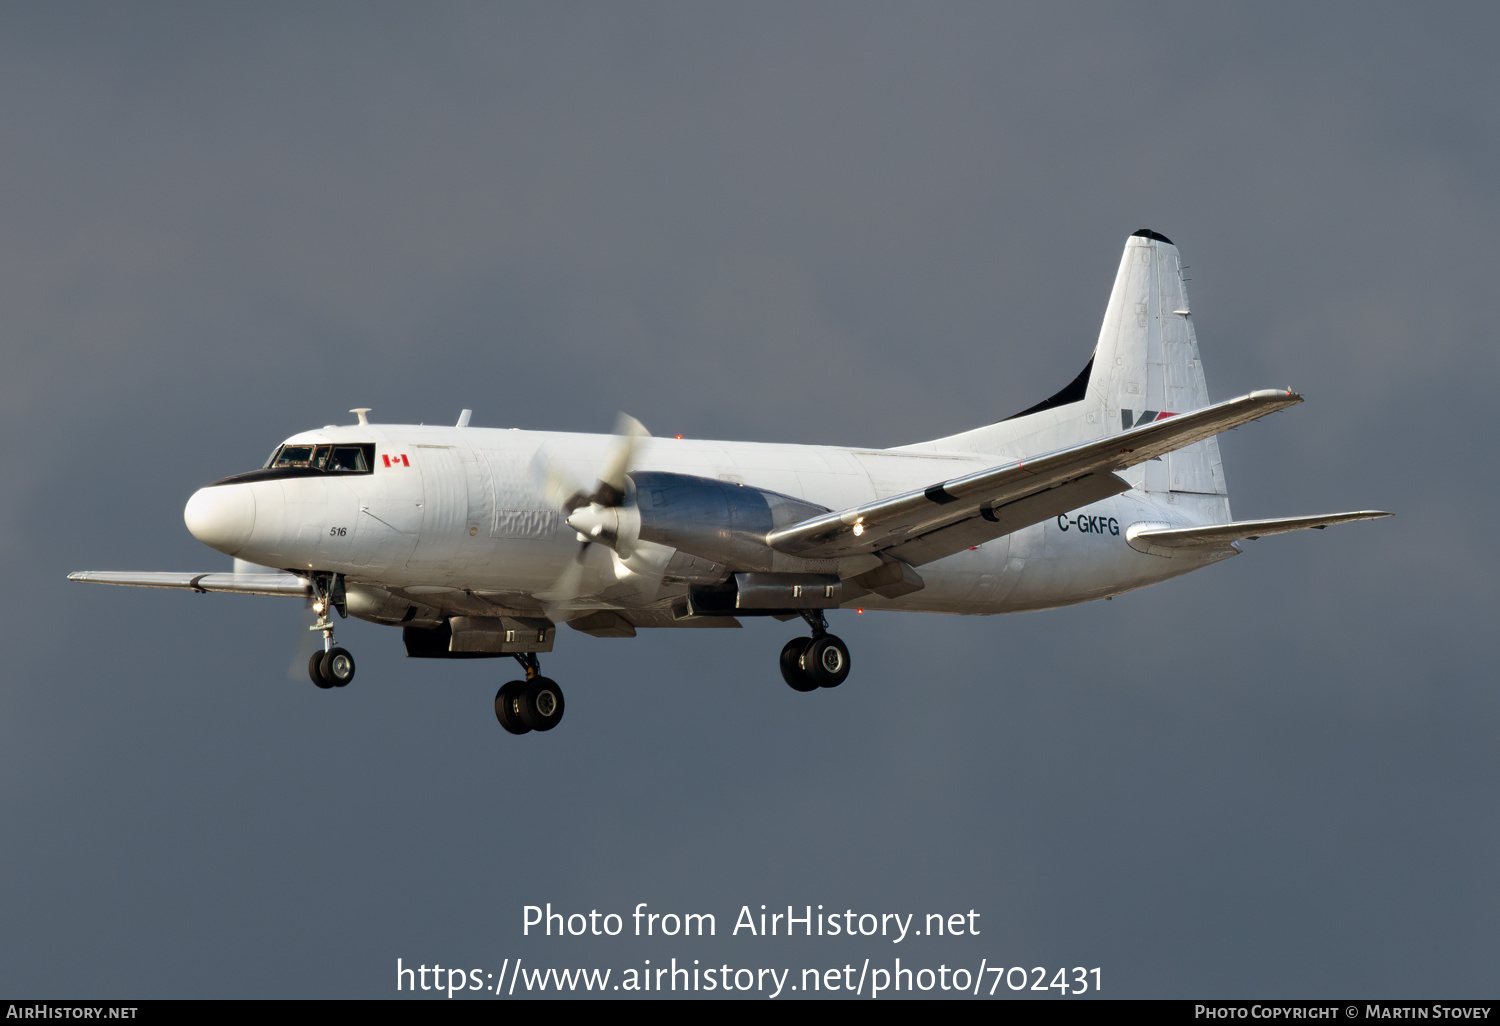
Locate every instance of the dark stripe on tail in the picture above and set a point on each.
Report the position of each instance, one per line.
(1072, 393)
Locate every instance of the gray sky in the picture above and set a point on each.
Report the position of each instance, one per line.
(838, 223)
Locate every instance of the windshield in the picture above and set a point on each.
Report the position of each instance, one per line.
(332, 459)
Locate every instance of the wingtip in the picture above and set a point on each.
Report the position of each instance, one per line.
(1276, 395)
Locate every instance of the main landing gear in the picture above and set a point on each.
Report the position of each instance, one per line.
(821, 661)
(333, 667)
(535, 703)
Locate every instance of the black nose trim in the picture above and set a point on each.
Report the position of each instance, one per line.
(272, 474)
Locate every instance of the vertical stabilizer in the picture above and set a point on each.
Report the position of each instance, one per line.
(1145, 366)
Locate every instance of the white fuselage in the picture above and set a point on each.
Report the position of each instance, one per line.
(459, 518)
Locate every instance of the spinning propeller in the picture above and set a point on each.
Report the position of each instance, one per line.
(597, 514)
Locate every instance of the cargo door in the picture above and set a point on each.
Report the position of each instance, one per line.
(475, 547)
(445, 507)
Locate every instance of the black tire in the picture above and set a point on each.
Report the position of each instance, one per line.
(338, 667)
(315, 671)
(826, 661)
(505, 704)
(791, 665)
(541, 703)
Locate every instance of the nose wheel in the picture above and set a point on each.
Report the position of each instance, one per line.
(821, 661)
(334, 666)
(535, 703)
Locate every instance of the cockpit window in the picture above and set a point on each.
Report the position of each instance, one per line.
(332, 459)
(349, 459)
(294, 456)
(311, 460)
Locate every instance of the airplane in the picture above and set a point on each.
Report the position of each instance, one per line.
(478, 542)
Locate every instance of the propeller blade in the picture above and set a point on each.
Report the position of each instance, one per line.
(560, 488)
(566, 587)
(643, 568)
(611, 489)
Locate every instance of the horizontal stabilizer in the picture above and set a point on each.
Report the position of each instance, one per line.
(243, 584)
(1162, 540)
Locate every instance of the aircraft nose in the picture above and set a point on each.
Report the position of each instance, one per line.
(221, 516)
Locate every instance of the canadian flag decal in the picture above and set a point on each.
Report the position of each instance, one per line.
(396, 461)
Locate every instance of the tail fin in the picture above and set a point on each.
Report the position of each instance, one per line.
(1145, 366)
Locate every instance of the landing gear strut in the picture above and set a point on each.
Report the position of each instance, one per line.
(535, 703)
(821, 661)
(333, 667)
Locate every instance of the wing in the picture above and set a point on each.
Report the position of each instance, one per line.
(920, 526)
(244, 584)
(1164, 540)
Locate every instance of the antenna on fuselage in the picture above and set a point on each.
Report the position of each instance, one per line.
(463, 418)
(360, 413)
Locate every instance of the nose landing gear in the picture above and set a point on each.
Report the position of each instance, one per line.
(535, 703)
(333, 667)
(821, 661)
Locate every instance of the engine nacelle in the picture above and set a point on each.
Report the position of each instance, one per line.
(718, 521)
